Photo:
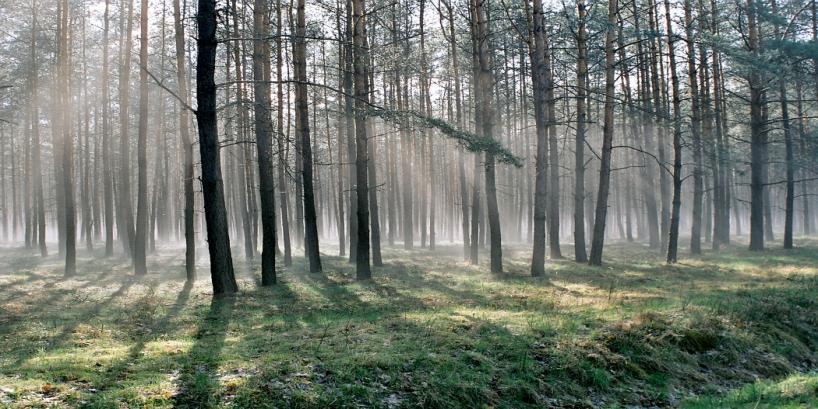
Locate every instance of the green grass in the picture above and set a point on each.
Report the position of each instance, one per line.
(795, 391)
(427, 331)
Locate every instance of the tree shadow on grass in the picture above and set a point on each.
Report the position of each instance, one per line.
(84, 315)
(30, 277)
(116, 373)
(198, 384)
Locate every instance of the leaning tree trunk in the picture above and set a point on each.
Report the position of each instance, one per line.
(601, 211)
(218, 239)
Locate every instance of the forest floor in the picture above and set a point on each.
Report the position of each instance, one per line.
(728, 329)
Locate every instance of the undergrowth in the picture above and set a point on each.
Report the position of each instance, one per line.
(725, 330)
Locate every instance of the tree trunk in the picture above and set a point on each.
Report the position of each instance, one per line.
(657, 87)
(758, 144)
(126, 225)
(39, 199)
(695, 128)
(789, 213)
(248, 209)
(284, 200)
(87, 219)
(806, 217)
(579, 145)
(302, 120)
(673, 234)
(458, 95)
(485, 115)
(553, 186)
(218, 239)
(264, 142)
(539, 78)
(601, 211)
(67, 143)
(360, 61)
(140, 267)
(349, 111)
(187, 145)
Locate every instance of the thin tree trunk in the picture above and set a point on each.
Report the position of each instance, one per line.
(140, 267)
(553, 157)
(350, 130)
(579, 146)
(458, 95)
(806, 217)
(126, 221)
(789, 213)
(67, 144)
(284, 200)
(698, 187)
(187, 145)
(39, 199)
(657, 86)
(87, 219)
